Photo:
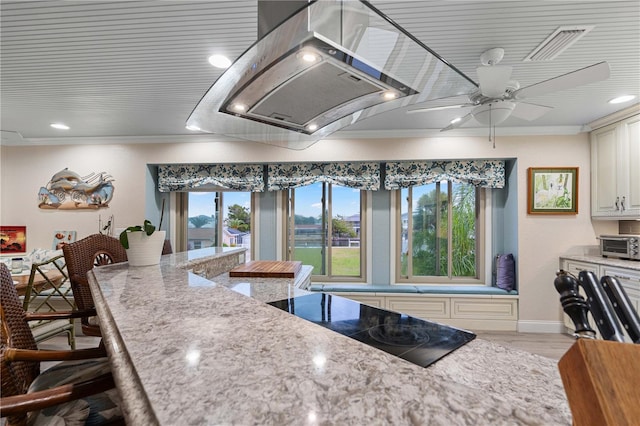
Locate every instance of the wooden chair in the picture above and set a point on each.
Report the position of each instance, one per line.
(47, 291)
(81, 256)
(81, 387)
(166, 248)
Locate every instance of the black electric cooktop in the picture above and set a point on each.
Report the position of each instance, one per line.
(413, 339)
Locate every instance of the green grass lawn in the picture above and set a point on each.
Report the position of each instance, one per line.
(346, 260)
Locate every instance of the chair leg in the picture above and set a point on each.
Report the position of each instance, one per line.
(71, 337)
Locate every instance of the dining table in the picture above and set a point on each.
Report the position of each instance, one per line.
(41, 281)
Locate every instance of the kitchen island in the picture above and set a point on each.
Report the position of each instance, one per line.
(187, 349)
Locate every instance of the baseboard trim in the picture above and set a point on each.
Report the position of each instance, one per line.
(527, 326)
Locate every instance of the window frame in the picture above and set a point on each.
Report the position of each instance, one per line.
(182, 219)
(288, 200)
(481, 225)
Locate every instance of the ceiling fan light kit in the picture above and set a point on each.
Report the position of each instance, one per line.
(493, 113)
(498, 96)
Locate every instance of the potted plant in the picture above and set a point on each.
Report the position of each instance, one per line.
(143, 244)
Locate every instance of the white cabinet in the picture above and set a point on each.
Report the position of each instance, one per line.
(615, 170)
(629, 279)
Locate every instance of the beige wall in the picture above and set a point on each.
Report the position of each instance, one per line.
(541, 238)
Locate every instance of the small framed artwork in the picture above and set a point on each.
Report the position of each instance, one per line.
(61, 238)
(13, 239)
(552, 190)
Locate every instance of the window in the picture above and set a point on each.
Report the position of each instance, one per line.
(441, 236)
(325, 230)
(203, 227)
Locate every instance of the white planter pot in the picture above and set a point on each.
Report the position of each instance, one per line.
(145, 249)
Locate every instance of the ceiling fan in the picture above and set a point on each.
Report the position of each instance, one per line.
(499, 97)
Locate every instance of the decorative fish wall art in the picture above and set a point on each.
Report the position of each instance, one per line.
(68, 190)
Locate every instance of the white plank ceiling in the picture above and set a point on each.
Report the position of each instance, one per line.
(134, 70)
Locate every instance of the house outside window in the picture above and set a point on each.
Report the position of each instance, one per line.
(219, 219)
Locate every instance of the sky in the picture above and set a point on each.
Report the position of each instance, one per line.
(202, 203)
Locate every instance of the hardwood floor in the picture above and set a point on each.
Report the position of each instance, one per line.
(550, 345)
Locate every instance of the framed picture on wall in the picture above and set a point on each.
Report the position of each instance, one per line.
(552, 190)
(13, 239)
(61, 238)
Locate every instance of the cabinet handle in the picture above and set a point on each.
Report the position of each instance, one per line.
(622, 277)
(622, 203)
(617, 203)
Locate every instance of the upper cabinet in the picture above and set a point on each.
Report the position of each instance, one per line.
(615, 170)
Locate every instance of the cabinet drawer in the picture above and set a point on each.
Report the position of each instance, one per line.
(628, 278)
(375, 301)
(421, 307)
(630, 281)
(484, 308)
(575, 267)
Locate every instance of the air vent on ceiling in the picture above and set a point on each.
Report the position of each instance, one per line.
(557, 43)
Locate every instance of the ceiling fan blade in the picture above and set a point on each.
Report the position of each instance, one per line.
(493, 80)
(439, 108)
(457, 123)
(590, 74)
(530, 112)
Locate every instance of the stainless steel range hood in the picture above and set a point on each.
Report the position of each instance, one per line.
(327, 66)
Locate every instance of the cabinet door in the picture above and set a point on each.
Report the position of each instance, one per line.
(631, 136)
(604, 172)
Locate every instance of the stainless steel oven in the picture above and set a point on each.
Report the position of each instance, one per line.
(620, 246)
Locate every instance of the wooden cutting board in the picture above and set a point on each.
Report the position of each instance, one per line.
(267, 269)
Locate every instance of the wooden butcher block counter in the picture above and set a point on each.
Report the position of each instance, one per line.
(267, 269)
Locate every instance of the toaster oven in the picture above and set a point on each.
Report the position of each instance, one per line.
(620, 246)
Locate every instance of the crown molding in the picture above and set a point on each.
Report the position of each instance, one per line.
(15, 139)
(615, 117)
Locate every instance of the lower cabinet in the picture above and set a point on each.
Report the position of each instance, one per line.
(480, 312)
(629, 279)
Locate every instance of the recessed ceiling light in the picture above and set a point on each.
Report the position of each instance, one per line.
(193, 128)
(239, 107)
(312, 127)
(59, 126)
(219, 61)
(621, 99)
(309, 57)
(456, 120)
(390, 95)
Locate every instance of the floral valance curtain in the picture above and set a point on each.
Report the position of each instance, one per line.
(365, 176)
(482, 173)
(235, 177)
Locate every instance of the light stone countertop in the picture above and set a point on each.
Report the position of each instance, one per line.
(606, 261)
(188, 350)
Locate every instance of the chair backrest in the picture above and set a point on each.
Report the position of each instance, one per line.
(81, 256)
(16, 333)
(166, 248)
